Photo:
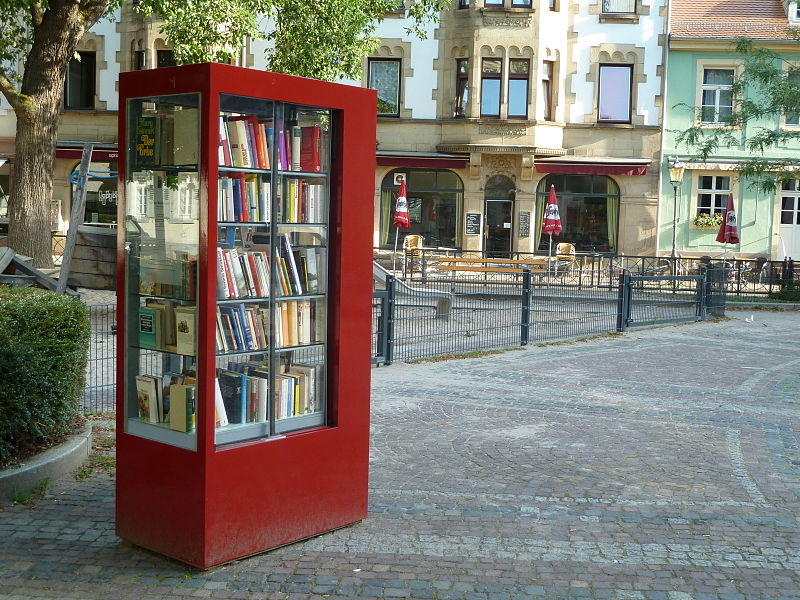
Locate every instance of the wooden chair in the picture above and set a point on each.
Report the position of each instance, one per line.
(412, 251)
(564, 260)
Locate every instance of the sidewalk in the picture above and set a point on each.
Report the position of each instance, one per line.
(660, 465)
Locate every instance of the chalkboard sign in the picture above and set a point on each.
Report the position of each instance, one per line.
(474, 223)
(524, 223)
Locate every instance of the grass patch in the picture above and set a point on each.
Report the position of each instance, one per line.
(610, 334)
(31, 496)
(96, 464)
(473, 354)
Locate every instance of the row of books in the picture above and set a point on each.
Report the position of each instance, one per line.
(170, 399)
(245, 327)
(167, 325)
(303, 203)
(245, 274)
(242, 392)
(248, 141)
(243, 198)
(169, 137)
(242, 274)
(173, 277)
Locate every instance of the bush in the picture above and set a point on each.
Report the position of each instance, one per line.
(44, 342)
(790, 292)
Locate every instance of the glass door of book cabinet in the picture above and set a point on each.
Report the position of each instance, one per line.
(272, 232)
(162, 192)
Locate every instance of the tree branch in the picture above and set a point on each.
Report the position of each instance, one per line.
(15, 99)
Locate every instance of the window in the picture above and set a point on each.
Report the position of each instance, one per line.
(548, 90)
(553, 4)
(138, 60)
(165, 58)
(518, 69)
(793, 116)
(462, 88)
(716, 103)
(790, 203)
(521, 3)
(435, 206)
(491, 74)
(614, 95)
(463, 3)
(493, 3)
(384, 76)
(589, 208)
(712, 194)
(79, 87)
(619, 6)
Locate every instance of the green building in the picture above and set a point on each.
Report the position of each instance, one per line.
(701, 66)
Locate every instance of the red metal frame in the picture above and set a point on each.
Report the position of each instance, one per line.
(218, 504)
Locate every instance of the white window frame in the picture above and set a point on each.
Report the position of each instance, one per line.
(615, 7)
(723, 193)
(701, 68)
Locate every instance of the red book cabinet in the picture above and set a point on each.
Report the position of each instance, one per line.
(244, 309)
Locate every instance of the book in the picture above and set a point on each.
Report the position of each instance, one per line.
(310, 141)
(186, 123)
(224, 150)
(182, 407)
(150, 328)
(296, 144)
(185, 323)
(220, 415)
(233, 387)
(285, 251)
(237, 133)
(166, 319)
(147, 398)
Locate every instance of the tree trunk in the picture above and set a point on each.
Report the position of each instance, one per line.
(38, 109)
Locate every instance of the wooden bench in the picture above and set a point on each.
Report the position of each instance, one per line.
(491, 265)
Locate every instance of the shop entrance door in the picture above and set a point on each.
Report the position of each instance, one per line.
(497, 242)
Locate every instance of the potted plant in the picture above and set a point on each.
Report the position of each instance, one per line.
(707, 221)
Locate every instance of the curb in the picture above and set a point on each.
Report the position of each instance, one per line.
(783, 306)
(49, 465)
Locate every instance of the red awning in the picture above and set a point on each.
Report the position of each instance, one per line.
(423, 162)
(104, 155)
(590, 168)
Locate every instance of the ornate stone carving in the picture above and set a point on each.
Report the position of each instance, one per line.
(505, 130)
(506, 21)
(499, 164)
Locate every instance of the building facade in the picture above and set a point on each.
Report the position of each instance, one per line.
(503, 99)
(702, 66)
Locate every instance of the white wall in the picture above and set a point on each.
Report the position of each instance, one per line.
(107, 78)
(590, 32)
(419, 88)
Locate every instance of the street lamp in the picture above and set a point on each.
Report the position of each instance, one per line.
(676, 169)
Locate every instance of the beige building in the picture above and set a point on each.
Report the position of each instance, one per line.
(503, 99)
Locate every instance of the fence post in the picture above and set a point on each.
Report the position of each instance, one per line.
(623, 300)
(389, 318)
(526, 307)
(715, 290)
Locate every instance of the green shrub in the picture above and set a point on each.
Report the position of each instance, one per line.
(789, 293)
(44, 342)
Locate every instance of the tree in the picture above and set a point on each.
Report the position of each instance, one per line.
(767, 89)
(324, 39)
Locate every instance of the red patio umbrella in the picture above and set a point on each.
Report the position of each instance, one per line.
(551, 223)
(401, 217)
(728, 231)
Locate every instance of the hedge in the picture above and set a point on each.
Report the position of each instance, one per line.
(44, 343)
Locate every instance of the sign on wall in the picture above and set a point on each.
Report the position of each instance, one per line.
(524, 223)
(473, 223)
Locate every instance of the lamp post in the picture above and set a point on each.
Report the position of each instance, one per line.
(676, 169)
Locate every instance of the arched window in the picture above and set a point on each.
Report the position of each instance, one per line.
(435, 204)
(589, 209)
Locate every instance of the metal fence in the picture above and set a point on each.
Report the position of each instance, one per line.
(747, 278)
(460, 315)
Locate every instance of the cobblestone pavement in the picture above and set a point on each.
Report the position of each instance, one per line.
(659, 465)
